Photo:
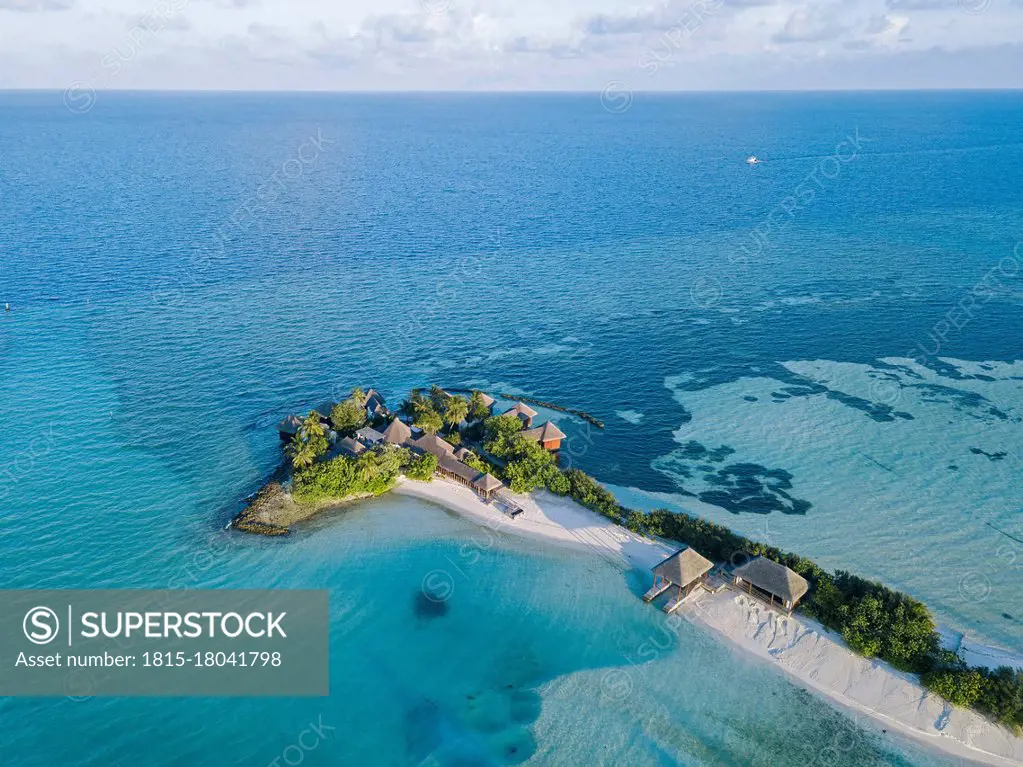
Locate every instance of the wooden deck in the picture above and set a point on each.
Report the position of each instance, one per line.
(656, 590)
(510, 505)
(675, 602)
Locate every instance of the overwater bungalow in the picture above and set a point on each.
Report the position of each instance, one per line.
(324, 412)
(684, 570)
(397, 433)
(771, 582)
(289, 427)
(374, 404)
(369, 435)
(525, 413)
(548, 435)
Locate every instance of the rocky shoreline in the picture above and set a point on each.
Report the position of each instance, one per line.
(273, 510)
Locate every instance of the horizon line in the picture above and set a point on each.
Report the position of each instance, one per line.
(523, 91)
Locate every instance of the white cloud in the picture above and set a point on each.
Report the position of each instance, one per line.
(527, 44)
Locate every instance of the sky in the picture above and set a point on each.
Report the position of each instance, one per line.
(589, 45)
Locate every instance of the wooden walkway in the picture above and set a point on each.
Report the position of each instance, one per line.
(656, 590)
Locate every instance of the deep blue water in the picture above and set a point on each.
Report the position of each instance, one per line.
(185, 269)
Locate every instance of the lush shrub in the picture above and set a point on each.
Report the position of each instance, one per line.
(478, 411)
(480, 465)
(454, 439)
(1001, 696)
(499, 431)
(558, 483)
(529, 465)
(421, 467)
(959, 686)
(588, 492)
(350, 415)
(372, 472)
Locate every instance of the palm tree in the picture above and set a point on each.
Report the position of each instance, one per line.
(477, 409)
(455, 411)
(312, 427)
(369, 465)
(309, 442)
(301, 453)
(407, 408)
(438, 396)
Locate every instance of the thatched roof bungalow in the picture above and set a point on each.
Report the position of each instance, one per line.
(483, 483)
(374, 404)
(431, 443)
(548, 435)
(487, 484)
(772, 582)
(525, 413)
(289, 427)
(684, 570)
(397, 433)
(350, 447)
(324, 411)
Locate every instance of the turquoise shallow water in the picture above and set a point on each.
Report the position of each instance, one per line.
(523, 243)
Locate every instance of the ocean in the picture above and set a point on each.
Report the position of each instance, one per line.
(821, 351)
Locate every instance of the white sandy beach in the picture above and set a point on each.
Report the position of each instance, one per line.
(800, 647)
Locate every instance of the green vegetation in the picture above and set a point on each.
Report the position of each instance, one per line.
(455, 411)
(373, 472)
(959, 686)
(309, 443)
(421, 467)
(1001, 696)
(478, 410)
(499, 431)
(480, 464)
(529, 465)
(874, 620)
(348, 416)
(424, 413)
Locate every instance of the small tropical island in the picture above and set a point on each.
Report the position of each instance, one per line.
(859, 642)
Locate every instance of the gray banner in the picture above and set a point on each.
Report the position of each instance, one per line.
(164, 643)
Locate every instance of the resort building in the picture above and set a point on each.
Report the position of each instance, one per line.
(374, 404)
(684, 570)
(773, 583)
(449, 465)
(324, 412)
(483, 483)
(289, 427)
(350, 447)
(487, 484)
(548, 435)
(369, 435)
(397, 433)
(431, 443)
(488, 401)
(525, 413)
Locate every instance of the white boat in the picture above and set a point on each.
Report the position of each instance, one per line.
(753, 160)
